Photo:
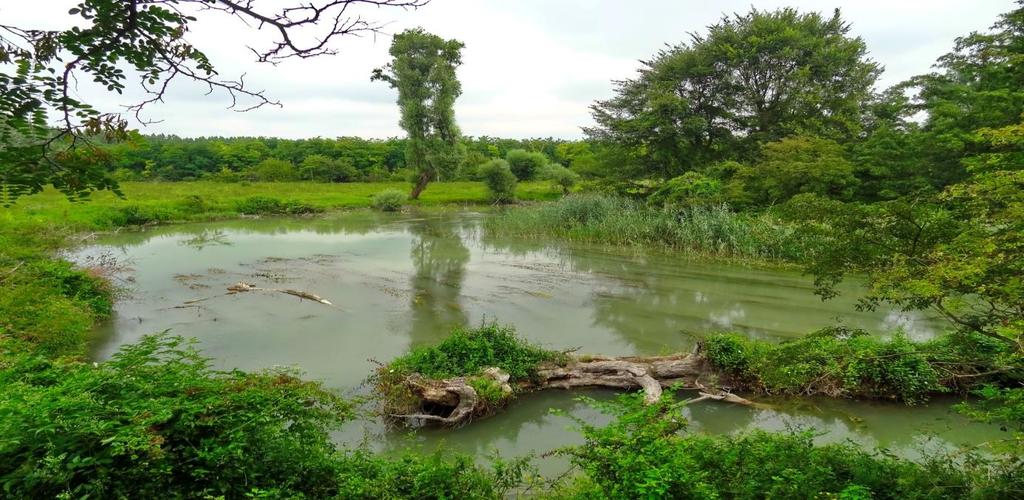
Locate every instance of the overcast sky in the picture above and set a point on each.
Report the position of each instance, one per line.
(531, 67)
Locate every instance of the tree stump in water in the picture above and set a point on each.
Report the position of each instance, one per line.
(454, 402)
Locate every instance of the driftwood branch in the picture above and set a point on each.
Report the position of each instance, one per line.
(454, 402)
(242, 286)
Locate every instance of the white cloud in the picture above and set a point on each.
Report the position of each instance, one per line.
(531, 67)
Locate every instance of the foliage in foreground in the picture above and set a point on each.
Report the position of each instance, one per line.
(842, 362)
(157, 421)
(647, 453)
(705, 230)
(48, 303)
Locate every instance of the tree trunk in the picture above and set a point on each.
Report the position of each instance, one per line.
(421, 184)
(454, 402)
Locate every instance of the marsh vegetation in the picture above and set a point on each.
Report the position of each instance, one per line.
(797, 283)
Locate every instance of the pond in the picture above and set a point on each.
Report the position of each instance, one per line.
(397, 281)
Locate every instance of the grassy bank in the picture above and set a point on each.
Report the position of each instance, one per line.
(707, 231)
(157, 420)
(161, 202)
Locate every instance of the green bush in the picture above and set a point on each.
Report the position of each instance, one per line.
(263, 205)
(274, 170)
(195, 204)
(389, 200)
(418, 475)
(76, 284)
(225, 174)
(838, 362)
(500, 181)
(52, 323)
(526, 165)
(323, 168)
(646, 453)
(294, 207)
(466, 352)
(689, 189)
(489, 390)
(135, 215)
(157, 421)
(561, 177)
(259, 205)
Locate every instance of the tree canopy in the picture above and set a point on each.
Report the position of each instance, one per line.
(44, 127)
(423, 71)
(754, 78)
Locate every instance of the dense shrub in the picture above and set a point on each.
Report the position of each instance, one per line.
(418, 475)
(389, 200)
(80, 285)
(646, 453)
(323, 168)
(561, 177)
(691, 188)
(796, 165)
(500, 181)
(263, 205)
(838, 362)
(526, 165)
(274, 170)
(136, 215)
(195, 204)
(157, 421)
(468, 351)
(52, 323)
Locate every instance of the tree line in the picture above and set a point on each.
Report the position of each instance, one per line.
(772, 104)
(342, 159)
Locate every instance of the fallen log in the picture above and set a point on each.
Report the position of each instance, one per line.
(454, 402)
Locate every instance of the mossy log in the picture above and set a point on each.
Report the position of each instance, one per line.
(454, 401)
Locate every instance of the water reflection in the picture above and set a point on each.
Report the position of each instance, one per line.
(533, 427)
(648, 297)
(206, 238)
(401, 280)
(439, 258)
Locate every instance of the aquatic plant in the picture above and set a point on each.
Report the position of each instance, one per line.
(707, 230)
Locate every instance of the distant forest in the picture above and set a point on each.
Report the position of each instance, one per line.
(344, 159)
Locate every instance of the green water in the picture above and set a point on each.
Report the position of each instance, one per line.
(398, 281)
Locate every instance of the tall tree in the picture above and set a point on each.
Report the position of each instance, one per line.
(754, 78)
(423, 70)
(959, 251)
(46, 131)
(980, 84)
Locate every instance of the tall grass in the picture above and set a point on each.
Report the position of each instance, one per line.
(711, 230)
